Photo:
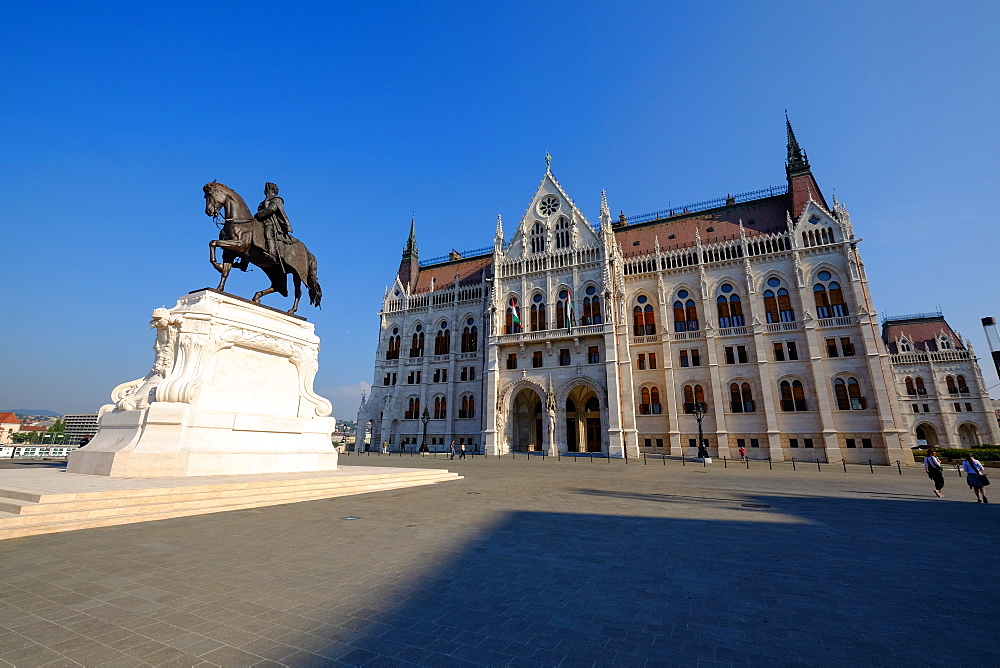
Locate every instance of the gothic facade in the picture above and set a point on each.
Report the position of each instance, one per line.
(609, 336)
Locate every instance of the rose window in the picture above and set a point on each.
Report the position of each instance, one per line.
(549, 205)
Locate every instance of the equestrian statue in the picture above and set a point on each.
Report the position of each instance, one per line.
(263, 239)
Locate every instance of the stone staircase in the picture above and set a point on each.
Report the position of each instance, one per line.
(27, 512)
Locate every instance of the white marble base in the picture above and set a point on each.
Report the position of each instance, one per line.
(230, 393)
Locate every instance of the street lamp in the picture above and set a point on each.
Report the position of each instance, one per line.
(425, 418)
(699, 414)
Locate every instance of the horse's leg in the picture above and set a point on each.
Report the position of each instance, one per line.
(257, 296)
(211, 255)
(227, 265)
(298, 293)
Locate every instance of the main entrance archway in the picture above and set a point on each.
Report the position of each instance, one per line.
(526, 416)
(583, 421)
(926, 435)
(968, 434)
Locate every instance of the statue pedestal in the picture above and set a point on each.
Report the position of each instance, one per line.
(230, 392)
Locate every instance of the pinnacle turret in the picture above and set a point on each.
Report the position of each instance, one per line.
(797, 160)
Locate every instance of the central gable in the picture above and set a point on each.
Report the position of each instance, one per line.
(551, 223)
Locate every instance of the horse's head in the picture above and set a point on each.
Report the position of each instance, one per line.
(215, 198)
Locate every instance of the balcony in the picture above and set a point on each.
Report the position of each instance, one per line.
(777, 327)
(687, 336)
(643, 340)
(733, 331)
(553, 334)
(845, 321)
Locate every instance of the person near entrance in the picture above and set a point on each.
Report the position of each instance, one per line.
(743, 455)
(461, 451)
(932, 465)
(975, 475)
(452, 448)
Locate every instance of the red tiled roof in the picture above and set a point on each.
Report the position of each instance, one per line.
(470, 272)
(763, 216)
(8, 418)
(31, 427)
(921, 332)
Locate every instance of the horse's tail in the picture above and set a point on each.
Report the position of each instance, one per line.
(312, 282)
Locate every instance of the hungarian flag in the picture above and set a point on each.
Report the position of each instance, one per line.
(569, 310)
(513, 313)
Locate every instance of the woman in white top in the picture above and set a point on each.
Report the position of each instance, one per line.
(974, 476)
(934, 470)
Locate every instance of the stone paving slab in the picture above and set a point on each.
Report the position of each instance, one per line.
(529, 563)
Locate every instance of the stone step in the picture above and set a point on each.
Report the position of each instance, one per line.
(52, 503)
(151, 507)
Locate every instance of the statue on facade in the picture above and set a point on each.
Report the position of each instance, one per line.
(263, 240)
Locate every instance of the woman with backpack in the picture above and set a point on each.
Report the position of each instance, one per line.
(975, 475)
(932, 465)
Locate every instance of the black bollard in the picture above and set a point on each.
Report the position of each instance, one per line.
(793, 463)
(899, 467)
(844, 462)
(644, 459)
(683, 460)
(724, 464)
(817, 465)
(870, 466)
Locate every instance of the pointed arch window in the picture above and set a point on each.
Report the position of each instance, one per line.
(644, 401)
(442, 342)
(538, 322)
(730, 308)
(412, 409)
(793, 396)
(440, 408)
(564, 311)
(921, 388)
(944, 343)
(470, 336)
(741, 398)
(468, 409)
(963, 387)
(592, 307)
(685, 313)
(512, 322)
(417, 342)
(848, 393)
(562, 233)
(694, 394)
(643, 317)
(904, 346)
(538, 238)
(910, 389)
(777, 302)
(393, 351)
(829, 297)
(950, 382)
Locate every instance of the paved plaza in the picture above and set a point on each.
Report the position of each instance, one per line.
(530, 562)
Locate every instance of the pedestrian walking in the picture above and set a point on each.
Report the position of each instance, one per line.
(743, 455)
(385, 447)
(461, 452)
(452, 448)
(932, 465)
(975, 475)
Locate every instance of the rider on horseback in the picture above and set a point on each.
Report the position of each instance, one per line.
(271, 213)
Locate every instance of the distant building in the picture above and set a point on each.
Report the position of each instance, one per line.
(79, 427)
(9, 425)
(940, 387)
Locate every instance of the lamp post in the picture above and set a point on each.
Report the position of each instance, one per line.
(699, 414)
(425, 418)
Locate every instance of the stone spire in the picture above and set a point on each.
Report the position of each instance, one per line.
(605, 216)
(797, 160)
(498, 237)
(409, 266)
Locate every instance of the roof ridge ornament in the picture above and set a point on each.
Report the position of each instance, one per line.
(548, 160)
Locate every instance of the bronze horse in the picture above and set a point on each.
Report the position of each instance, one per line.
(242, 239)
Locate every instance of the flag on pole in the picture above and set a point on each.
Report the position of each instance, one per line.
(513, 313)
(569, 310)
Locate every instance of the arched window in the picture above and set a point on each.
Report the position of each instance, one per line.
(950, 382)
(592, 307)
(793, 396)
(442, 342)
(741, 398)
(694, 394)
(538, 238)
(685, 313)
(562, 233)
(921, 389)
(643, 317)
(412, 409)
(417, 342)
(963, 387)
(944, 343)
(904, 346)
(393, 352)
(564, 311)
(470, 336)
(730, 308)
(654, 394)
(538, 322)
(909, 386)
(644, 401)
(468, 409)
(849, 394)
(440, 408)
(512, 324)
(829, 297)
(777, 303)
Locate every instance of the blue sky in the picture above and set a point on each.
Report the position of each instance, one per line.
(115, 114)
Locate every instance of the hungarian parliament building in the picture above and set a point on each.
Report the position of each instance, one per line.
(752, 312)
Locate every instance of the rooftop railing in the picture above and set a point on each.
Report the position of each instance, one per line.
(462, 255)
(671, 211)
